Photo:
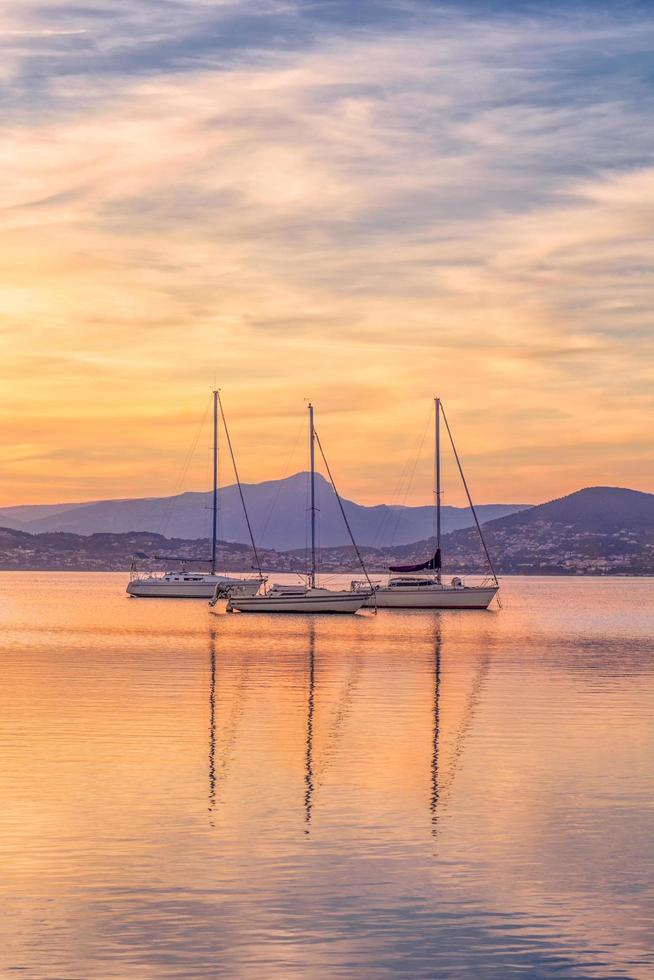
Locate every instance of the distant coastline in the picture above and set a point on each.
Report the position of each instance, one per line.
(596, 531)
(60, 552)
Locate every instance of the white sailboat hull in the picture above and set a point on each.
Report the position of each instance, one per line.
(177, 588)
(469, 597)
(313, 601)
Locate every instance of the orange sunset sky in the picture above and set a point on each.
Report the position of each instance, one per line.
(366, 211)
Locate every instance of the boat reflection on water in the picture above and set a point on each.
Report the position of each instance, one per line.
(415, 794)
(433, 802)
(311, 693)
(304, 716)
(212, 721)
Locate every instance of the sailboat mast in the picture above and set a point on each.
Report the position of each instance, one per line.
(437, 465)
(214, 501)
(312, 571)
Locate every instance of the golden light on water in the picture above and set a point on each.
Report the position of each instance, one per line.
(244, 786)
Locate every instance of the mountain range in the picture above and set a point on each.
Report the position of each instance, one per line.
(598, 531)
(277, 510)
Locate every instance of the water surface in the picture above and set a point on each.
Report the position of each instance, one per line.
(407, 795)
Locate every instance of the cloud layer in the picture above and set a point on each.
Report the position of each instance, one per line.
(422, 200)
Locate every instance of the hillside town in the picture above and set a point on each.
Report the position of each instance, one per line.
(538, 547)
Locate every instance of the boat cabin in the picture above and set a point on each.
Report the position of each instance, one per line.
(287, 590)
(411, 583)
(184, 577)
(418, 582)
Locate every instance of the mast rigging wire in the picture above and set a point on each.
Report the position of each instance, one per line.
(169, 507)
(472, 506)
(343, 514)
(401, 493)
(285, 471)
(240, 488)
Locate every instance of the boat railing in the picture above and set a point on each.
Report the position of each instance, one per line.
(361, 585)
(139, 574)
(225, 590)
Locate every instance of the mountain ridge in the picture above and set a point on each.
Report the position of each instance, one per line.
(596, 530)
(277, 510)
(603, 529)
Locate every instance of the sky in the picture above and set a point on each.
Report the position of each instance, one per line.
(363, 204)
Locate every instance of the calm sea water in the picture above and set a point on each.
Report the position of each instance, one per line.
(408, 795)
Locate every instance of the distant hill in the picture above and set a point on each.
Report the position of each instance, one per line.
(597, 530)
(593, 508)
(277, 510)
(63, 551)
(20, 517)
(60, 550)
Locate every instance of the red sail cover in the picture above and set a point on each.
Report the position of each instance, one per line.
(432, 564)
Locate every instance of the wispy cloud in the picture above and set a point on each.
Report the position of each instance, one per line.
(420, 198)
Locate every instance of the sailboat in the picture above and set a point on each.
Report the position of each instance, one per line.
(309, 598)
(182, 583)
(421, 586)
